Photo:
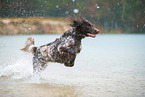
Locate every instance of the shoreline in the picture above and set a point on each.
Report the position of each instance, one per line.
(42, 25)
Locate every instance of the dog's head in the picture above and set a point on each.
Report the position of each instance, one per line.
(84, 27)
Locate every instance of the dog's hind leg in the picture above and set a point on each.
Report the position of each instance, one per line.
(38, 65)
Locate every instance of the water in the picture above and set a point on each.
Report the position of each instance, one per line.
(108, 66)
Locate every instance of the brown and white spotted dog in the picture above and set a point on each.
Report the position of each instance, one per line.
(63, 49)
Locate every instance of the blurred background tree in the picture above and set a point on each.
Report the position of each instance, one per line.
(123, 15)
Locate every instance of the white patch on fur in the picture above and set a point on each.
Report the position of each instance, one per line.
(29, 45)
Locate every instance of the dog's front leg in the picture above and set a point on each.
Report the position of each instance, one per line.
(71, 55)
(70, 61)
(68, 50)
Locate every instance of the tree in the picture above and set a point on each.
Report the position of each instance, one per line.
(133, 15)
(125, 15)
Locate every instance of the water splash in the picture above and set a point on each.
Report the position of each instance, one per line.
(20, 69)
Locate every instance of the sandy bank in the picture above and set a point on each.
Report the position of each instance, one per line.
(33, 25)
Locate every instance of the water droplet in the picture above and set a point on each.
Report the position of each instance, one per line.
(57, 6)
(98, 7)
(75, 10)
(73, 0)
(67, 12)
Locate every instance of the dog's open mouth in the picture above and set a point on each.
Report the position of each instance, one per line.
(92, 35)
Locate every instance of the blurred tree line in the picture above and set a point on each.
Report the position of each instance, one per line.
(123, 15)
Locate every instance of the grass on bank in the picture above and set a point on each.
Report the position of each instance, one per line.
(33, 25)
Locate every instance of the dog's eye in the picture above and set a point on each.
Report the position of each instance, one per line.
(88, 26)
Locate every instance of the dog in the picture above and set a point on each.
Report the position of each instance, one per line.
(64, 49)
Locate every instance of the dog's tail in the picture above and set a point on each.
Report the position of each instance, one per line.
(29, 45)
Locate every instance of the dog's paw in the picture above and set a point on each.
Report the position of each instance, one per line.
(69, 65)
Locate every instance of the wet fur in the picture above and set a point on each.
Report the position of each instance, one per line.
(64, 49)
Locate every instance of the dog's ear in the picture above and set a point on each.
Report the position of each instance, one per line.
(82, 19)
(75, 23)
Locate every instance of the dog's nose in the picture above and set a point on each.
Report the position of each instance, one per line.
(97, 31)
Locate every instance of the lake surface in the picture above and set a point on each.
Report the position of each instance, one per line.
(108, 66)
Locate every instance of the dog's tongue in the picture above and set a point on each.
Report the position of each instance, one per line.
(93, 35)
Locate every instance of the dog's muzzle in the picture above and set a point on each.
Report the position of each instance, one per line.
(97, 31)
